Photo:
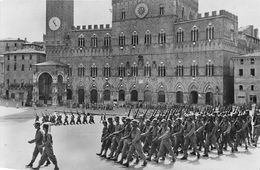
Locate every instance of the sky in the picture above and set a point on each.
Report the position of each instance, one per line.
(26, 18)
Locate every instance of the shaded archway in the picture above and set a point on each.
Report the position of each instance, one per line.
(134, 96)
(44, 85)
(106, 95)
(161, 97)
(194, 97)
(209, 98)
(147, 96)
(69, 94)
(60, 88)
(81, 96)
(93, 96)
(179, 97)
(121, 95)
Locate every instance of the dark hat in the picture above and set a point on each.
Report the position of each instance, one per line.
(37, 123)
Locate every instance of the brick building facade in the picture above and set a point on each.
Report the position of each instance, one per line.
(157, 51)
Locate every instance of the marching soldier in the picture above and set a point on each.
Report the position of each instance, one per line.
(189, 138)
(78, 118)
(136, 145)
(91, 119)
(48, 149)
(165, 142)
(85, 118)
(225, 128)
(256, 133)
(38, 140)
(72, 119)
(210, 129)
(66, 121)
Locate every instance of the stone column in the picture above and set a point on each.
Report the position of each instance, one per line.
(55, 91)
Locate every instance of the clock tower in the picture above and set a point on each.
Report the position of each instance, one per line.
(59, 21)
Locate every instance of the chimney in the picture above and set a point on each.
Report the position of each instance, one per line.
(256, 33)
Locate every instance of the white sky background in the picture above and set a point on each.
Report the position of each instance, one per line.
(26, 18)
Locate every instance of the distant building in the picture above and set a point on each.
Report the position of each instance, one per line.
(160, 51)
(247, 78)
(18, 74)
(11, 44)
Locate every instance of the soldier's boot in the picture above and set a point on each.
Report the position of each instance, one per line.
(144, 163)
(30, 165)
(149, 158)
(56, 167)
(137, 161)
(193, 153)
(184, 158)
(126, 164)
(198, 155)
(47, 163)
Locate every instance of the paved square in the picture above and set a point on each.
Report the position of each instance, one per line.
(76, 146)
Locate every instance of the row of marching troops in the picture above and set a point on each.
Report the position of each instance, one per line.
(175, 131)
(67, 118)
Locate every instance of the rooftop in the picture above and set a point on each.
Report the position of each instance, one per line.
(51, 63)
(255, 54)
(25, 51)
(13, 39)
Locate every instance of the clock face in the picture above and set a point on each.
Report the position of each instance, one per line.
(54, 23)
(141, 10)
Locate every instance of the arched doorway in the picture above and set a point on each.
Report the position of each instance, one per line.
(60, 88)
(69, 94)
(148, 96)
(45, 90)
(209, 98)
(194, 97)
(81, 96)
(161, 97)
(93, 96)
(106, 95)
(134, 96)
(179, 97)
(121, 95)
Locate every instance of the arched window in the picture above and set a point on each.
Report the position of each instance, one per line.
(107, 70)
(209, 68)
(94, 41)
(107, 40)
(121, 70)
(147, 70)
(161, 70)
(93, 70)
(194, 70)
(134, 38)
(122, 39)
(147, 38)
(134, 70)
(81, 70)
(122, 14)
(241, 88)
(210, 32)
(162, 37)
(194, 34)
(81, 40)
(180, 35)
(161, 10)
(180, 70)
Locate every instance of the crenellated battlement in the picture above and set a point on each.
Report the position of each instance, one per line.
(91, 27)
(212, 14)
(218, 13)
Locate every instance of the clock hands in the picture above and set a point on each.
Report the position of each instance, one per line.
(54, 23)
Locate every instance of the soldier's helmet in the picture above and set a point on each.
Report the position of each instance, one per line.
(37, 123)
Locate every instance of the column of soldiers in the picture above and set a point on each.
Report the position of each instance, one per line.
(176, 131)
(67, 118)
